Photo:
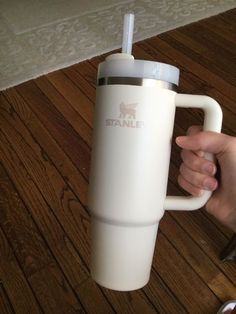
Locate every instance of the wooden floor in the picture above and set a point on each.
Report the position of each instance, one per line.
(45, 143)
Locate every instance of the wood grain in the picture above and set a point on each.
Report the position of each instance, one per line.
(62, 248)
(17, 288)
(44, 138)
(83, 76)
(34, 125)
(195, 257)
(185, 282)
(56, 124)
(5, 304)
(45, 146)
(34, 256)
(65, 108)
(74, 95)
(64, 204)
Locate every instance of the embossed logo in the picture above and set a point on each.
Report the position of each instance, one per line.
(128, 110)
(127, 117)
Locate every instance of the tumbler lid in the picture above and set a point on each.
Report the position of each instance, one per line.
(121, 256)
(124, 65)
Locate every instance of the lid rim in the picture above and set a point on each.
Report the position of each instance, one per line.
(136, 81)
(139, 68)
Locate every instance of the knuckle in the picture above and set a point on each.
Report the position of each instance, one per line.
(196, 163)
(191, 160)
(179, 179)
(195, 178)
(182, 168)
(231, 143)
(182, 154)
(193, 129)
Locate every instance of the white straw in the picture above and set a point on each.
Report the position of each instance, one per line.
(128, 33)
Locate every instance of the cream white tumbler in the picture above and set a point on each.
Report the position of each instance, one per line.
(134, 119)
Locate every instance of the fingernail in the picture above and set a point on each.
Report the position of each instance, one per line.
(209, 169)
(210, 184)
(178, 140)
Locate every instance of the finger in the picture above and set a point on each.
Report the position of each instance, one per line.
(197, 179)
(210, 142)
(188, 187)
(193, 130)
(197, 163)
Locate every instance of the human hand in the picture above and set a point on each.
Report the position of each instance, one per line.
(198, 174)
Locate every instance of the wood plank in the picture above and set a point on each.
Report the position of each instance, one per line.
(57, 240)
(27, 242)
(97, 60)
(222, 287)
(230, 16)
(82, 75)
(225, 33)
(35, 258)
(54, 293)
(130, 302)
(229, 23)
(196, 117)
(25, 137)
(44, 138)
(205, 234)
(75, 225)
(220, 28)
(189, 82)
(65, 205)
(161, 296)
(204, 48)
(200, 228)
(63, 164)
(5, 304)
(87, 292)
(65, 252)
(72, 94)
(17, 288)
(61, 130)
(47, 133)
(209, 78)
(18, 127)
(185, 282)
(65, 108)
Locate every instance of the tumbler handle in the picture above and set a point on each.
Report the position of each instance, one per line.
(212, 122)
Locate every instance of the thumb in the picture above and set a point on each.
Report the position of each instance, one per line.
(210, 142)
